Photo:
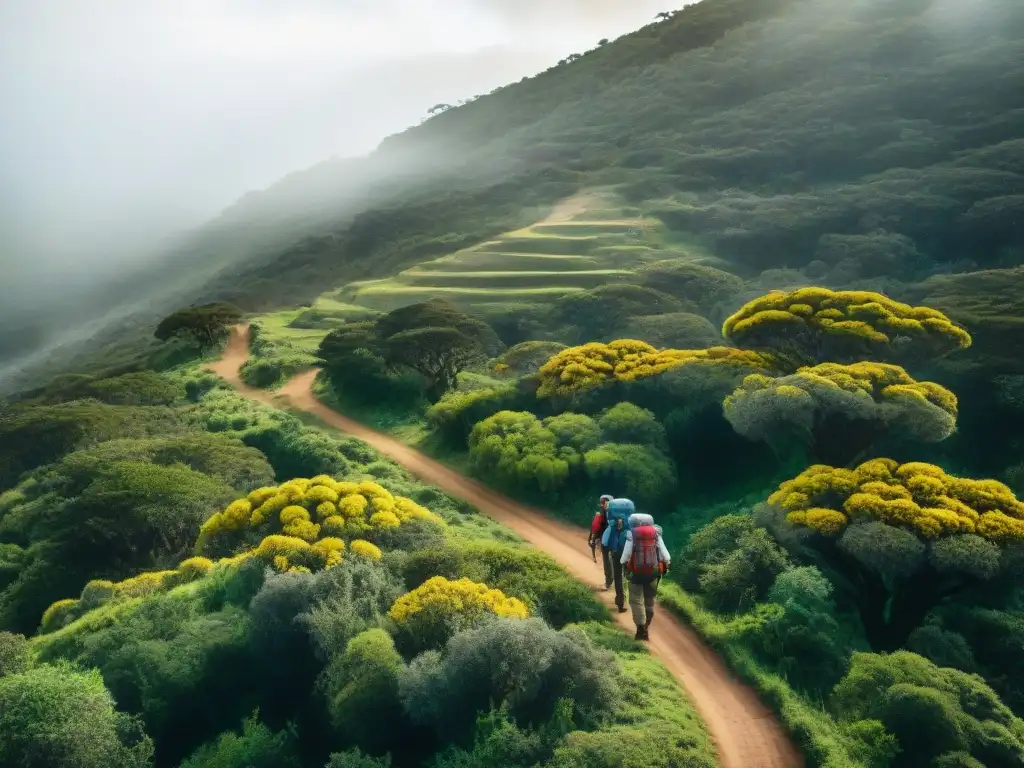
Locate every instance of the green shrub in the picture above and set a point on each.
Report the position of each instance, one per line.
(732, 563)
(684, 279)
(521, 663)
(256, 747)
(627, 423)
(138, 388)
(677, 330)
(361, 690)
(15, 655)
(55, 716)
(643, 474)
(930, 710)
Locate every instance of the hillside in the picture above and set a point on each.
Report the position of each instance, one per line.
(758, 128)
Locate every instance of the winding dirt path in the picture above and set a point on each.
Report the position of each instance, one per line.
(743, 729)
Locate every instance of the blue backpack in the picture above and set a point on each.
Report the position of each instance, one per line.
(619, 511)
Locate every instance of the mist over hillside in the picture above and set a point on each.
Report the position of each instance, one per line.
(108, 170)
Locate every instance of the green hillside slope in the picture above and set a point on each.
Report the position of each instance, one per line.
(760, 128)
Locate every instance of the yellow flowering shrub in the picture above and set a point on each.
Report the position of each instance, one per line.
(365, 549)
(440, 607)
(579, 368)
(818, 323)
(309, 510)
(763, 408)
(915, 496)
(57, 615)
(100, 591)
(299, 526)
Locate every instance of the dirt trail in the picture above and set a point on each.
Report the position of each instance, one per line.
(744, 730)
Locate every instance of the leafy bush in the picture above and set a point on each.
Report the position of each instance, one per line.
(54, 716)
(527, 356)
(685, 279)
(256, 747)
(31, 436)
(598, 312)
(811, 325)
(428, 615)
(930, 710)
(522, 664)
(677, 330)
(732, 562)
(455, 414)
(520, 448)
(348, 599)
(280, 520)
(639, 472)
(15, 655)
(137, 388)
(361, 689)
(527, 574)
(627, 423)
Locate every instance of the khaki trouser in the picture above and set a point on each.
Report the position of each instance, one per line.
(641, 600)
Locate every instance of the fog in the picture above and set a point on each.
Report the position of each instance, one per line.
(124, 121)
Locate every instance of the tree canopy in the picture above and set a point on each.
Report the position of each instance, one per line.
(580, 368)
(432, 338)
(839, 410)
(900, 538)
(205, 325)
(813, 325)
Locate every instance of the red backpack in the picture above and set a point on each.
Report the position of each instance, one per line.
(645, 559)
(598, 524)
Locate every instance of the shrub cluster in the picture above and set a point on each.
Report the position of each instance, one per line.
(915, 496)
(591, 365)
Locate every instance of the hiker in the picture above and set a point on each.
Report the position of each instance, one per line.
(646, 559)
(597, 528)
(614, 539)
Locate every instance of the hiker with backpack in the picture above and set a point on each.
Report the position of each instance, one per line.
(614, 539)
(597, 529)
(646, 559)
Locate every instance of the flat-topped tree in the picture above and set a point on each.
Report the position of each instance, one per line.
(432, 338)
(438, 313)
(838, 411)
(205, 325)
(898, 539)
(577, 369)
(814, 325)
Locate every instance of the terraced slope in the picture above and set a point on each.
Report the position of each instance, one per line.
(576, 248)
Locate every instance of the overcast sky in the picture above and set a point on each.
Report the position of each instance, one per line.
(121, 118)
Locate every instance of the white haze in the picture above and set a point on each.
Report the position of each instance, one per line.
(124, 121)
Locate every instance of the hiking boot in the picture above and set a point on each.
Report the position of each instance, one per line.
(622, 608)
(641, 634)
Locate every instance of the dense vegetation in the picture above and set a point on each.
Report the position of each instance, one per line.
(197, 601)
(855, 557)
